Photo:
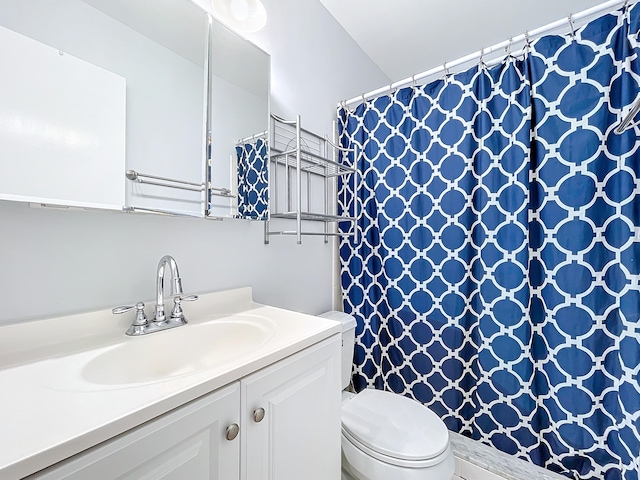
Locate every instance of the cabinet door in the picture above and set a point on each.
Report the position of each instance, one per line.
(187, 443)
(299, 436)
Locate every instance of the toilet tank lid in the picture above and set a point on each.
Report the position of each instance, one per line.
(348, 321)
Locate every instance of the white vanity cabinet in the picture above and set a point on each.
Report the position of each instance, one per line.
(186, 443)
(297, 437)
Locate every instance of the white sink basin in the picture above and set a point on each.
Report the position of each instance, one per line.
(179, 351)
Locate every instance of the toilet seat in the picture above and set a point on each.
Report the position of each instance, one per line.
(394, 429)
(396, 462)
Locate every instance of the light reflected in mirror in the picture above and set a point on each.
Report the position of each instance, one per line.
(238, 124)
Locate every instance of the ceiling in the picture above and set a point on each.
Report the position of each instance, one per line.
(405, 37)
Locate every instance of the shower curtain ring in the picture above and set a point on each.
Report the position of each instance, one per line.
(446, 69)
(481, 63)
(527, 40)
(626, 11)
(413, 81)
(573, 31)
(508, 47)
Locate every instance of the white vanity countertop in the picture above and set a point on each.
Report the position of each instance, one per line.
(49, 412)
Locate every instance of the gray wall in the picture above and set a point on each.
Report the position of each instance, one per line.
(60, 261)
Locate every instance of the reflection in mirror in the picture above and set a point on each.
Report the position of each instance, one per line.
(253, 178)
(49, 129)
(160, 48)
(238, 124)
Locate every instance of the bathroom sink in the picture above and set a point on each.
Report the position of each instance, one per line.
(179, 351)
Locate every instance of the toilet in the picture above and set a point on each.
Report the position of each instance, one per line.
(385, 435)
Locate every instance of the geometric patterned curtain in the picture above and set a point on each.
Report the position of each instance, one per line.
(253, 180)
(496, 274)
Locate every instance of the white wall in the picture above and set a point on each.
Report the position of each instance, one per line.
(55, 262)
(311, 81)
(424, 34)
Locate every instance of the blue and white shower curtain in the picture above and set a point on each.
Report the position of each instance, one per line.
(496, 278)
(253, 180)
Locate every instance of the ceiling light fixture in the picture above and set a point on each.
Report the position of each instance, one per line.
(241, 15)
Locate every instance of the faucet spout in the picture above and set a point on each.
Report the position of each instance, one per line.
(176, 285)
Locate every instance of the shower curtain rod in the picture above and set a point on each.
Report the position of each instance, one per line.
(505, 45)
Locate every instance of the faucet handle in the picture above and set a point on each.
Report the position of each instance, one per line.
(139, 322)
(176, 312)
(186, 298)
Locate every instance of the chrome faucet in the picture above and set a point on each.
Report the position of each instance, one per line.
(176, 286)
(141, 325)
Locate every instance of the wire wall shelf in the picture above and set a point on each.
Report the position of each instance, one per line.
(314, 217)
(304, 168)
(311, 163)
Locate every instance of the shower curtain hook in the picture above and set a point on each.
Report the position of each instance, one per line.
(573, 31)
(527, 40)
(413, 81)
(481, 63)
(446, 69)
(508, 47)
(626, 11)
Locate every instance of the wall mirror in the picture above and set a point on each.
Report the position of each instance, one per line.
(156, 89)
(116, 86)
(238, 125)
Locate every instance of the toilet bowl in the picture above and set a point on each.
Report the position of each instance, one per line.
(386, 436)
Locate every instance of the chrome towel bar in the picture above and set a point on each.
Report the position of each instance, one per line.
(173, 183)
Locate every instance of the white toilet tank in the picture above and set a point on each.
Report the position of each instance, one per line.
(348, 342)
